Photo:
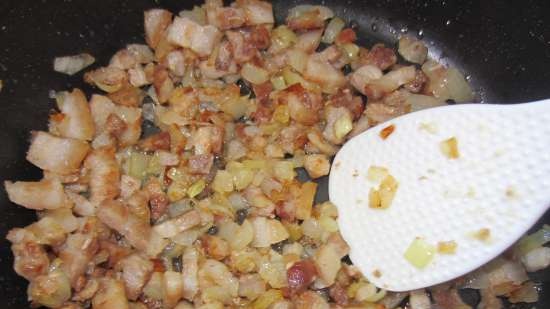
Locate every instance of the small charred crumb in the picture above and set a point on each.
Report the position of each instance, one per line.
(322, 46)
(387, 131)
(511, 193)
(118, 237)
(301, 174)
(347, 260)
(87, 304)
(177, 264)
(347, 69)
(245, 88)
(243, 119)
(354, 25)
(288, 156)
(241, 215)
(148, 128)
(213, 230)
(376, 273)
(219, 162)
(324, 292)
(450, 101)
(279, 246)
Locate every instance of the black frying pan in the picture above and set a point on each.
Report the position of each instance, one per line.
(503, 45)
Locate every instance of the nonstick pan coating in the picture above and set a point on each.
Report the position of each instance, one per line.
(504, 46)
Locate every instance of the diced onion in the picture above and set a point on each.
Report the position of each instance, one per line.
(446, 247)
(328, 224)
(197, 14)
(223, 182)
(278, 82)
(242, 176)
(297, 59)
(267, 232)
(266, 299)
(369, 293)
(343, 126)
(254, 74)
(303, 9)
(419, 253)
(459, 89)
(334, 28)
(304, 203)
(137, 166)
(382, 197)
(412, 50)
(153, 288)
(351, 51)
(533, 241)
(72, 64)
(196, 188)
(284, 170)
(377, 173)
(281, 114)
(238, 236)
(536, 259)
(50, 290)
(449, 148)
(419, 102)
(282, 37)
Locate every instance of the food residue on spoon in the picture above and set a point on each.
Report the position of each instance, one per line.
(428, 127)
(377, 173)
(387, 131)
(449, 148)
(446, 247)
(419, 253)
(511, 193)
(382, 196)
(482, 234)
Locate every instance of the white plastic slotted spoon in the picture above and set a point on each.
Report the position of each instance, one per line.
(499, 185)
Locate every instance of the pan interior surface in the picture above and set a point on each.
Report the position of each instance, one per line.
(504, 48)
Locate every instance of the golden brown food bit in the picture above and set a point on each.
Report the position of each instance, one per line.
(483, 234)
(449, 148)
(447, 247)
(387, 131)
(382, 195)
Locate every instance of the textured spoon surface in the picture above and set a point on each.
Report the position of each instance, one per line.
(483, 200)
